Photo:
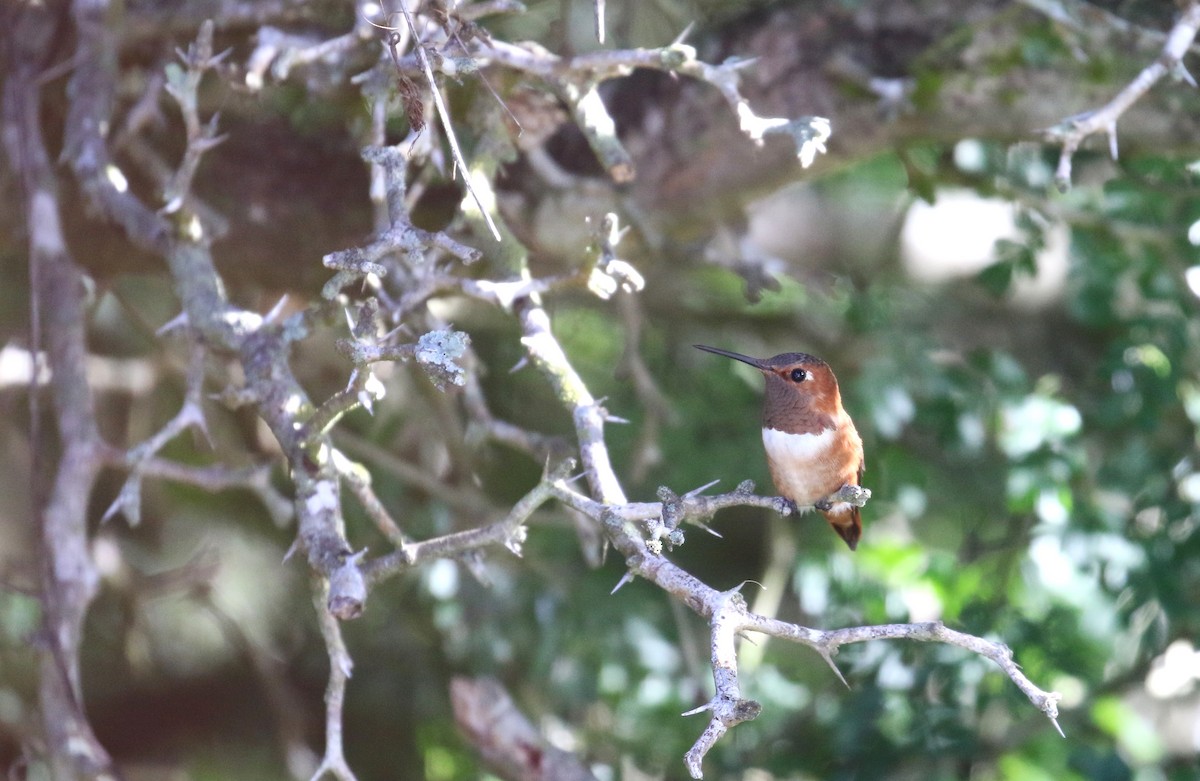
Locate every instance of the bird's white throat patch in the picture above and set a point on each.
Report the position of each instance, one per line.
(782, 445)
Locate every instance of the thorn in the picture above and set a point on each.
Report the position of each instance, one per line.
(112, 510)
(701, 709)
(683, 35)
(598, 7)
(739, 63)
(701, 489)
(178, 321)
(1180, 72)
(828, 657)
(205, 144)
(519, 365)
(576, 478)
(295, 546)
(626, 578)
(401, 327)
(276, 310)
(747, 639)
(1054, 721)
(1112, 139)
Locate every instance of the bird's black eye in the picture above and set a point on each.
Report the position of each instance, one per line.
(799, 375)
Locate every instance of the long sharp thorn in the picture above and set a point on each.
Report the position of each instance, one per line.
(702, 489)
(626, 578)
(829, 661)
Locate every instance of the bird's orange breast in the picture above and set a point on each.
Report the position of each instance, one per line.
(808, 467)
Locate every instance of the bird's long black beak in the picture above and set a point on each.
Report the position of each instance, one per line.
(755, 362)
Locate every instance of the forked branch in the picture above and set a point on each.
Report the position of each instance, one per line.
(1072, 131)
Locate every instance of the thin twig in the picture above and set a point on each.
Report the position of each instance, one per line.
(509, 532)
(444, 115)
(506, 738)
(340, 667)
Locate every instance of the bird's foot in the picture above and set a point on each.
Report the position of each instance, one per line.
(785, 506)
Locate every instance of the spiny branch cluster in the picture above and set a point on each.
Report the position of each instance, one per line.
(1072, 131)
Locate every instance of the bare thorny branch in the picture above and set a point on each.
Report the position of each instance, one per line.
(69, 577)
(400, 267)
(1072, 131)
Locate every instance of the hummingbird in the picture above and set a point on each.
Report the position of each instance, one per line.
(813, 449)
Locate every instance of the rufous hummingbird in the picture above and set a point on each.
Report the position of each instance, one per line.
(813, 449)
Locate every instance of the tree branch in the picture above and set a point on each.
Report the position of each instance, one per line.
(92, 87)
(508, 742)
(509, 532)
(1073, 130)
(576, 77)
(443, 114)
(333, 763)
(60, 497)
(731, 617)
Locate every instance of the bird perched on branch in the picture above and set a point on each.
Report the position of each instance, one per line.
(813, 449)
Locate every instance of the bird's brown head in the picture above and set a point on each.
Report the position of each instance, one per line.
(802, 391)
